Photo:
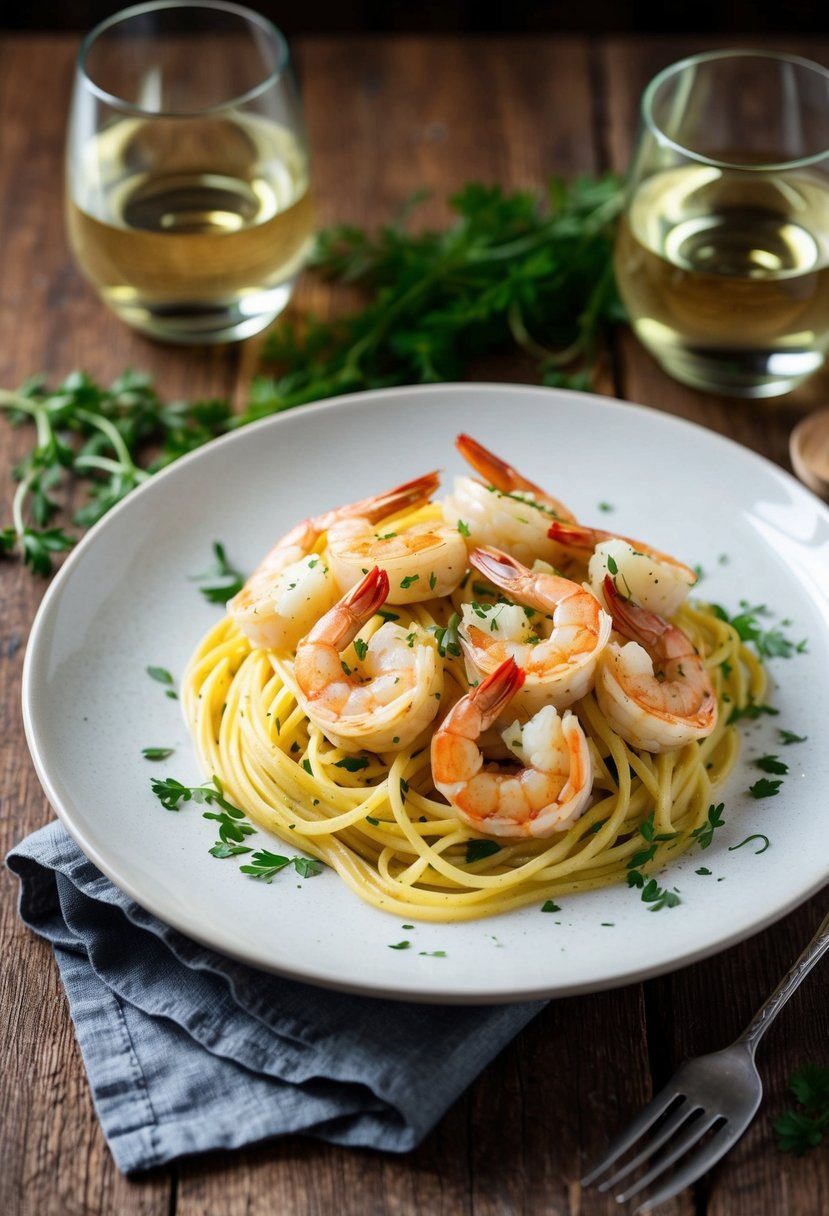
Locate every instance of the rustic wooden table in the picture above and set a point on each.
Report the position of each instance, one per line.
(386, 116)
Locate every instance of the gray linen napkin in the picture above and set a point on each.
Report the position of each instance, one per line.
(187, 1050)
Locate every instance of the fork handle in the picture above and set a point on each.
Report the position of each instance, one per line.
(766, 1014)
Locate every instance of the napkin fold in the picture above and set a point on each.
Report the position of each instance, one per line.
(187, 1050)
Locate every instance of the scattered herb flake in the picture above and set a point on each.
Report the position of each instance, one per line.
(757, 836)
(352, 764)
(704, 834)
(221, 580)
(771, 764)
(160, 674)
(476, 850)
(765, 788)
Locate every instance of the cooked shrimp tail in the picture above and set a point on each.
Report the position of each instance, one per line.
(383, 697)
(556, 631)
(544, 793)
(340, 626)
(497, 472)
(652, 578)
(654, 690)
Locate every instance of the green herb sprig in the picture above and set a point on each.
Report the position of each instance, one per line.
(95, 436)
(512, 271)
(799, 1130)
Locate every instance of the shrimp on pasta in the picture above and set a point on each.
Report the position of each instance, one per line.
(422, 561)
(292, 587)
(384, 696)
(503, 509)
(559, 661)
(544, 792)
(654, 690)
(653, 579)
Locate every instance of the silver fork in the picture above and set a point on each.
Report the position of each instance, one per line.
(704, 1108)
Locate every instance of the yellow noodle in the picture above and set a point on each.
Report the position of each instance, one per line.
(393, 839)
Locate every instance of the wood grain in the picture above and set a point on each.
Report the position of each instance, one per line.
(385, 116)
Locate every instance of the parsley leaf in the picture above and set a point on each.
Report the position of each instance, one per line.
(765, 788)
(476, 850)
(705, 833)
(771, 764)
(799, 1130)
(221, 579)
(264, 866)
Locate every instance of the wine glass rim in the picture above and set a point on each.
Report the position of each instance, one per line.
(682, 65)
(224, 6)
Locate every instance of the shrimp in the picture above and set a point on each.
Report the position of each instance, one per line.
(292, 587)
(505, 509)
(423, 561)
(654, 690)
(559, 661)
(546, 792)
(388, 694)
(654, 580)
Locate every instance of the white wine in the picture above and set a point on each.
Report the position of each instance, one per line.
(725, 275)
(191, 230)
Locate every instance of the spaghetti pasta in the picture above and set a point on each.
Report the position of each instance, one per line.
(377, 819)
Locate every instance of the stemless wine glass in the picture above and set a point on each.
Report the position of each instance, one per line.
(722, 256)
(188, 203)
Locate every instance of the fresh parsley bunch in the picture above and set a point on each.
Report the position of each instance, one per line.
(512, 271)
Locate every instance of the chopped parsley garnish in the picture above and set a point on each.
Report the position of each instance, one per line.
(787, 736)
(352, 764)
(361, 648)
(221, 580)
(771, 764)
(658, 897)
(751, 710)
(463, 528)
(765, 843)
(404, 945)
(550, 905)
(160, 674)
(408, 581)
(156, 753)
(264, 866)
(704, 834)
(765, 788)
(446, 637)
(769, 643)
(222, 850)
(476, 850)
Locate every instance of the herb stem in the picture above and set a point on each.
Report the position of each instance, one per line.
(120, 448)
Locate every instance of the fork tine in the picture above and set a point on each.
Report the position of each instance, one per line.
(697, 1164)
(683, 1142)
(672, 1122)
(637, 1127)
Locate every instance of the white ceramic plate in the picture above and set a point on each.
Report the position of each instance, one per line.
(125, 600)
